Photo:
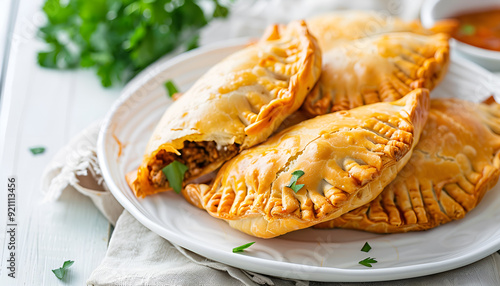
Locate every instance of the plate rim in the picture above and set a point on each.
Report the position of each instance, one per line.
(260, 265)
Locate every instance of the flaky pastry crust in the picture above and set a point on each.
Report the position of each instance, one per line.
(347, 158)
(334, 28)
(455, 163)
(235, 105)
(378, 68)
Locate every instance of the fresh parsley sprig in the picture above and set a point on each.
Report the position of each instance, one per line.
(243, 247)
(37, 150)
(61, 271)
(293, 181)
(366, 247)
(171, 88)
(368, 261)
(175, 174)
(119, 38)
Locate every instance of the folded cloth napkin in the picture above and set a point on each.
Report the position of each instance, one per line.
(138, 256)
(76, 166)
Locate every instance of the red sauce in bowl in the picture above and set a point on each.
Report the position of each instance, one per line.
(480, 29)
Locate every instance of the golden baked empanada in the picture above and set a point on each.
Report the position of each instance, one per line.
(235, 105)
(456, 161)
(334, 28)
(345, 158)
(377, 69)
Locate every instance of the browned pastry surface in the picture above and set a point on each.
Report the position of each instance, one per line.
(347, 158)
(456, 161)
(334, 28)
(378, 68)
(238, 103)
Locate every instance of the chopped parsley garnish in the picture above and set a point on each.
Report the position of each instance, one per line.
(171, 88)
(366, 247)
(175, 174)
(37, 150)
(467, 30)
(368, 261)
(61, 271)
(243, 247)
(293, 182)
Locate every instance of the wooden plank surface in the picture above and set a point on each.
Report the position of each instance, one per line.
(46, 108)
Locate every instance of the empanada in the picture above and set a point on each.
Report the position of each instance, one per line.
(235, 105)
(378, 68)
(334, 28)
(347, 158)
(456, 161)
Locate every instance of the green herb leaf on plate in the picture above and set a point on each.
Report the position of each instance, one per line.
(61, 271)
(175, 174)
(366, 247)
(37, 150)
(368, 262)
(243, 247)
(467, 30)
(171, 88)
(293, 181)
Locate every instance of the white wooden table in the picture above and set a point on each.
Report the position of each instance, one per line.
(42, 107)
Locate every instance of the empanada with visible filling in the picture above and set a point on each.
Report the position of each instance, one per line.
(455, 163)
(347, 157)
(236, 104)
(378, 68)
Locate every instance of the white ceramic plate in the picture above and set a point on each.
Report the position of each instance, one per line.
(321, 255)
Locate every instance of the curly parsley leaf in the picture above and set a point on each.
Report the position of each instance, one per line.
(171, 88)
(175, 174)
(368, 261)
(37, 150)
(293, 181)
(61, 271)
(119, 38)
(243, 247)
(366, 247)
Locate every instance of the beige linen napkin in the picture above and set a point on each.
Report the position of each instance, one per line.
(138, 256)
(76, 166)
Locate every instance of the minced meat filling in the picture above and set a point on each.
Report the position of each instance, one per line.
(195, 155)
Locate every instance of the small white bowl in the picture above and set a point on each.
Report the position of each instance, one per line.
(435, 10)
